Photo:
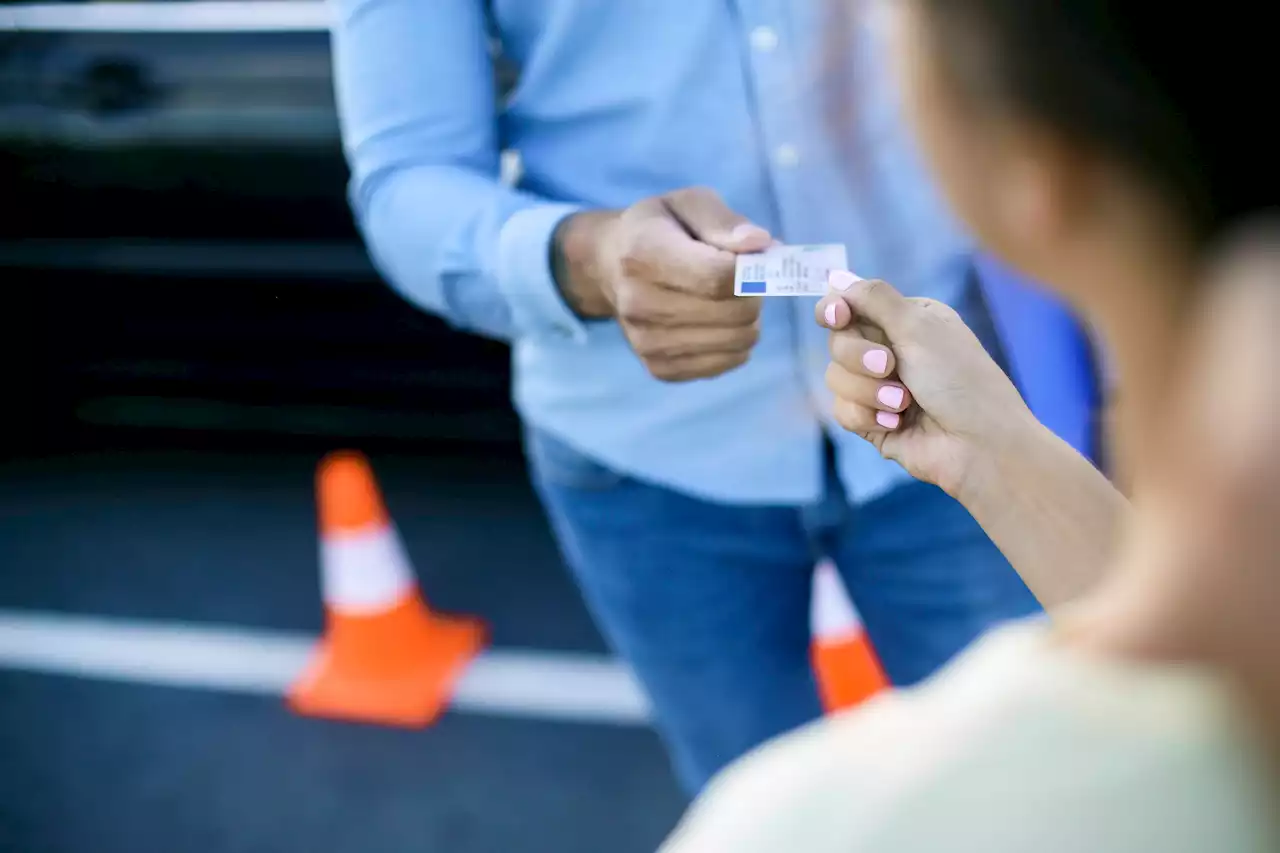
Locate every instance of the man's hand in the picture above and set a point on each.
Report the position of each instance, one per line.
(664, 269)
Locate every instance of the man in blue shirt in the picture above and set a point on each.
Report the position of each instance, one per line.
(680, 438)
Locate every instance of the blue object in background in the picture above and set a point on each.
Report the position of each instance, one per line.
(1049, 354)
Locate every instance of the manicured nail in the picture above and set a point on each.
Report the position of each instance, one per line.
(746, 231)
(842, 280)
(891, 396)
(888, 420)
(877, 361)
(830, 315)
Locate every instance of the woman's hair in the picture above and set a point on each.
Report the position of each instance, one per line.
(1180, 94)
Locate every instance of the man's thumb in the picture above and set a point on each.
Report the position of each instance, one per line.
(745, 237)
(705, 215)
(873, 301)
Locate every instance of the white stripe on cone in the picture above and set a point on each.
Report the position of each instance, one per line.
(365, 572)
(832, 616)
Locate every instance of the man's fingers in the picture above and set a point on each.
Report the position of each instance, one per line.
(647, 305)
(656, 344)
(658, 251)
(852, 351)
(707, 218)
(703, 366)
(873, 300)
(686, 241)
(877, 394)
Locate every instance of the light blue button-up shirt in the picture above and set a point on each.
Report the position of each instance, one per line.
(618, 101)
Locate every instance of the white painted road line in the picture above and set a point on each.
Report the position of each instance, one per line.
(196, 16)
(511, 683)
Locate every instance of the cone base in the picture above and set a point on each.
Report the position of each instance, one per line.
(410, 695)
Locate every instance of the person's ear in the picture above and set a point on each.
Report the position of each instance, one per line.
(1040, 200)
(1036, 196)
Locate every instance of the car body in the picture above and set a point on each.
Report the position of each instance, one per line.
(176, 219)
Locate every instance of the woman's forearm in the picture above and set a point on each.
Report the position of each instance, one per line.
(1050, 512)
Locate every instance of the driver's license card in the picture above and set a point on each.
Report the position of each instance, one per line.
(788, 270)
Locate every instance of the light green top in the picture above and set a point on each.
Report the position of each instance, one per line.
(1020, 746)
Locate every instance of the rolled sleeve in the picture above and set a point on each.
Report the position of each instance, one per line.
(525, 277)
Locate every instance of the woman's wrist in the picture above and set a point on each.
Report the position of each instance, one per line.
(1020, 445)
(1051, 513)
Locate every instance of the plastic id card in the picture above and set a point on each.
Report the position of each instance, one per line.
(788, 270)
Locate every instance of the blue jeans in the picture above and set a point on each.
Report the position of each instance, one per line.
(709, 603)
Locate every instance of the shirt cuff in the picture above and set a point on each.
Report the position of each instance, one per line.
(525, 277)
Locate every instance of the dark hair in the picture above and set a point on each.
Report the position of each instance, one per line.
(1180, 93)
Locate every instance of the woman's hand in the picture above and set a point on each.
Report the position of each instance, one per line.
(911, 378)
(961, 425)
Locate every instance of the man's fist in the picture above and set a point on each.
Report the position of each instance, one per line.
(664, 269)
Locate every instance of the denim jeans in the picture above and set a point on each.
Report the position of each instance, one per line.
(709, 603)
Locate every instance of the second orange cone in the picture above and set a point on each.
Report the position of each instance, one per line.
(385, 657)
(844, 663)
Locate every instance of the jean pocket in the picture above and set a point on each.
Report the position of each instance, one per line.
(557, 464)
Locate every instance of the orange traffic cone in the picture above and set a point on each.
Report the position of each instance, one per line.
(385, 658)
(844, 663)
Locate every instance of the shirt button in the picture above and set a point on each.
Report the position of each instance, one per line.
(764, 39)
(511, 168)
(787, 156)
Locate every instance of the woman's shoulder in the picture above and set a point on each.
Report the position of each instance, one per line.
(1019, 744)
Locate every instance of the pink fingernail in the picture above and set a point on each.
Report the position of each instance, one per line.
(842, 280)
(876, 360)
(891, 396)
(830, 315)
(888, 420)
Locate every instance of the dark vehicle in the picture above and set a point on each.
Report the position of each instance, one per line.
(176, 243)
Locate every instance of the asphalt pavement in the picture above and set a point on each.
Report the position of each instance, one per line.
(227, 539)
